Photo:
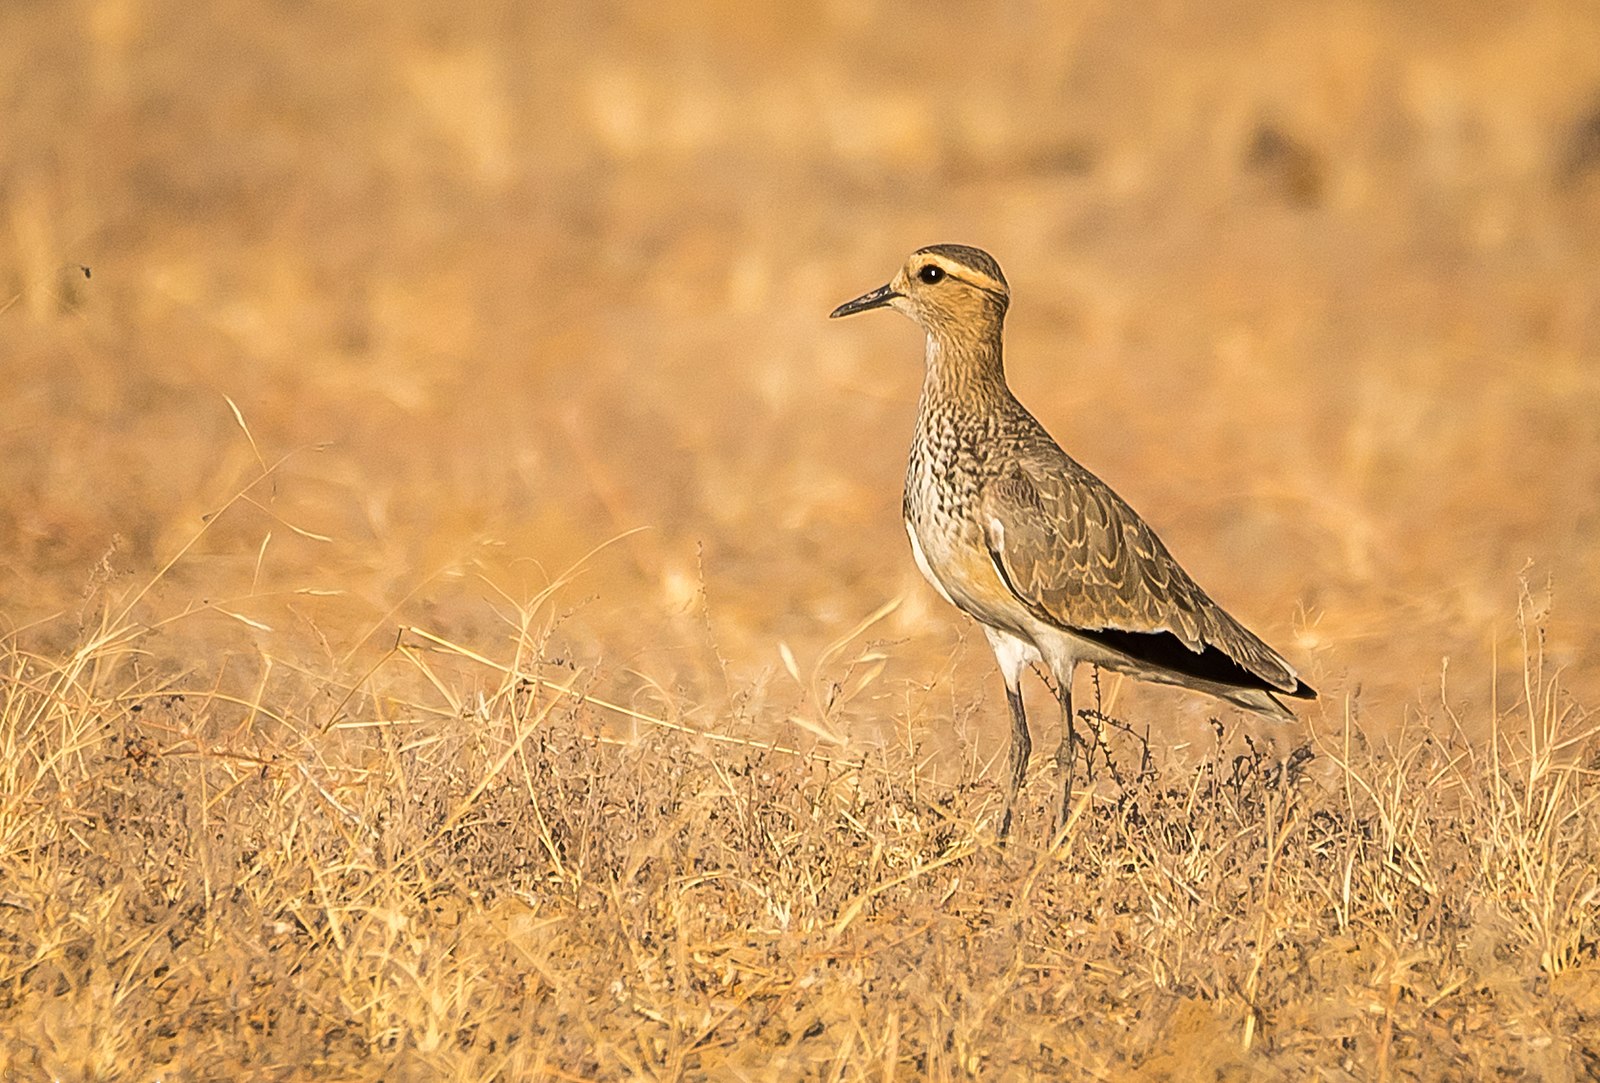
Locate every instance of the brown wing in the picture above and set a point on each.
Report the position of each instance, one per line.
(1078, 556)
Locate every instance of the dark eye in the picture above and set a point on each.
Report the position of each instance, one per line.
(931, 273)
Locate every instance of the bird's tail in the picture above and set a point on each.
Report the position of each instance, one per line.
(1261, 702)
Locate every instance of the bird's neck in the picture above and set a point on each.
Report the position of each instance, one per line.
(963, 370)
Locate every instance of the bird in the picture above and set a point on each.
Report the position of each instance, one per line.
(1054, 566)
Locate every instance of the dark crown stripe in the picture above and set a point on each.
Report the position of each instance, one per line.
(975, 259)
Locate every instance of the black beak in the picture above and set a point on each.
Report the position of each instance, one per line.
(876, 299)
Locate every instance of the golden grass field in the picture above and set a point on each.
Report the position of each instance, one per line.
(455, 621)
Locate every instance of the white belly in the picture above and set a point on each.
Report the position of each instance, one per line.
(922, 563)
(958, 570)
(1017, 638)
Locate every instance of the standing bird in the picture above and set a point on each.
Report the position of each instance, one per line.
(1009, 529)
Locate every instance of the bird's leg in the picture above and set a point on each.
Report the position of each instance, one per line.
(1066, 754)
(1021, 749)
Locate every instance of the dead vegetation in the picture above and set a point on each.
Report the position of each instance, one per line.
(315, 764)
(504, 887)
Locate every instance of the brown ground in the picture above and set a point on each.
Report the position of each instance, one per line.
(433, 358)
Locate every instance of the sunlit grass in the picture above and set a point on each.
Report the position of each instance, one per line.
(455, 620)
(508, 874)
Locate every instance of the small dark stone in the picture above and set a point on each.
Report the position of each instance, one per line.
(1288, 165)
(1581, 154)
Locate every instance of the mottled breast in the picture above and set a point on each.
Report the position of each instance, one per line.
(944, 479)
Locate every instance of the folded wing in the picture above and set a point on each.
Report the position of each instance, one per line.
(1079, 557)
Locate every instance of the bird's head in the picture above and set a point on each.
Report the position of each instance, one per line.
(948, 289)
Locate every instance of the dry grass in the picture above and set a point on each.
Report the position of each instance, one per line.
(497, 887)
(457, 623)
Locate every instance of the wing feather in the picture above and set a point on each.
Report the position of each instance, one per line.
(1078, 556)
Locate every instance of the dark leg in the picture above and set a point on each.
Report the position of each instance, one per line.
(1021, 749)
(1066, 754)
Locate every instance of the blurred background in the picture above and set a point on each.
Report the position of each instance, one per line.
(1316, 287)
